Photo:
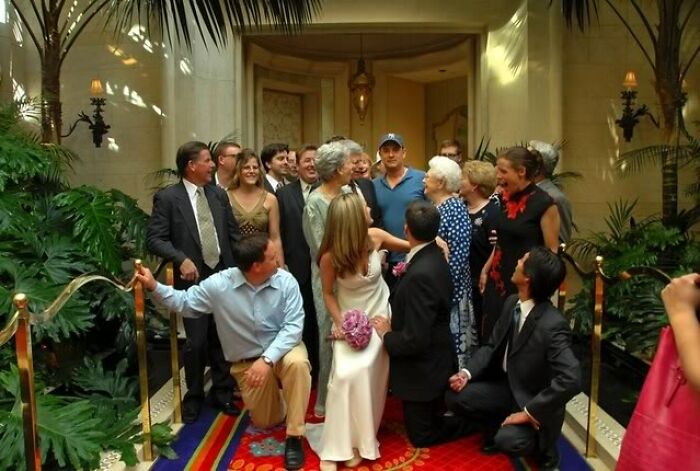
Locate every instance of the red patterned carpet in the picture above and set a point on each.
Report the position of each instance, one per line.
(263, 451)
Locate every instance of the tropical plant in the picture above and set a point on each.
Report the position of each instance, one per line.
(49, 234)
(634, 313)
(55, 25)
(662, 47)
(74, 430)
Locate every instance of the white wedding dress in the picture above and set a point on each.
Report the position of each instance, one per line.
(357, 386)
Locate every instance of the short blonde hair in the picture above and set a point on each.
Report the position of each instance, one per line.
(482, 174)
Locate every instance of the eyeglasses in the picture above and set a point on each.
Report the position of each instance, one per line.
(449, 154)
(229, 155)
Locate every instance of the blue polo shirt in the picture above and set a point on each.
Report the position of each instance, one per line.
(394, 201)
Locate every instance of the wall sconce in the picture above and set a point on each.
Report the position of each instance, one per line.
(97, 124)
(360, 86)
(630, 116)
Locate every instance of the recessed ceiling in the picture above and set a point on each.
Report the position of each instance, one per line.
(351, 46)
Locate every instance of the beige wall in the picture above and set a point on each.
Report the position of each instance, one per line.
(441, 98)
(405, 115)
(594, 66)
(533, 80)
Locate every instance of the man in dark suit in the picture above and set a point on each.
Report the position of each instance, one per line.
(274, 159)
(516, 386)
(291, 199)
(418, 340)
(192, 226)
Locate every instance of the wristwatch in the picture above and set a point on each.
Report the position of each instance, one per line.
(267, 361)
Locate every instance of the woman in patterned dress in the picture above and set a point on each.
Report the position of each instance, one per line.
(255, 209)
(443, 181)
(527, 217)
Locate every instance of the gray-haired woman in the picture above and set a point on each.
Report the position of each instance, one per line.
(334, 168)
(443, 181)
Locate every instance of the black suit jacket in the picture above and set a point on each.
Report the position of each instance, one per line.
(296, 250)
(268, 186)
(367, 188)
(172, 229)
(542, 371)
(420, 344)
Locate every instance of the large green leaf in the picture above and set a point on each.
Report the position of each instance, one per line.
(92, 212)
(68, 429)
(108, 389)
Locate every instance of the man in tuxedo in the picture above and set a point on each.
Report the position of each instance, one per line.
(516, 386)
(291, 199)
(418, 339)
(274, 159)
(192, 226)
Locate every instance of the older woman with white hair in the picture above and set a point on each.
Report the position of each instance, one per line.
(443, 181)
(334, 168)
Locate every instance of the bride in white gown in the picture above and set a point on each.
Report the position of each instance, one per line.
(351, 278)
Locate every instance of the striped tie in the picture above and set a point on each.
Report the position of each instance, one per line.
(207, 231)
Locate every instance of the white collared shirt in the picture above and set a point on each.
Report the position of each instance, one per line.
(192, 194)
(305, 189)
(415, 250)
(273, 181)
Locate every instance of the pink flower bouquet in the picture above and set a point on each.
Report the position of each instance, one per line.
(356, 328)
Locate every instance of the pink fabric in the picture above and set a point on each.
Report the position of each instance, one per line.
(664, 432)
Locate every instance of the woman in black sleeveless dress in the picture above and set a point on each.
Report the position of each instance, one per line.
(528, 217)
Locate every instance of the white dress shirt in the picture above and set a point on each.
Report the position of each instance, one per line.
(192, 194)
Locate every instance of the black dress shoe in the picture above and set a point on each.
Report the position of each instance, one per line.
(489, 448)
(190, 411)
(549, 460)
(228, 408)
(293, 453)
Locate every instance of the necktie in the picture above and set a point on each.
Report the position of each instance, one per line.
(515, 329)
(207, 232)
(279, 185)
(305, 192)
(516, 320)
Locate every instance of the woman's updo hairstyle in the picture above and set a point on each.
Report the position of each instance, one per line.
(528, 158)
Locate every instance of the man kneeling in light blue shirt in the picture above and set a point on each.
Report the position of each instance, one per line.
(259, 317)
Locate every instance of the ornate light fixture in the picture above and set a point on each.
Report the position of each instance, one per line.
(630, 116)
(360, 86)
(97, 124)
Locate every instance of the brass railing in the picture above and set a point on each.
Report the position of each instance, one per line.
(600, 279)
(19, 327)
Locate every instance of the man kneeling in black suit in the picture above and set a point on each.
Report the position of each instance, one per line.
(516, 386)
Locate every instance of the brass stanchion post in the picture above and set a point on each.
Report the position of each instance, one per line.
(561, 296)
(174, 359)
(596, 337)
(23, 346)
(143, 366)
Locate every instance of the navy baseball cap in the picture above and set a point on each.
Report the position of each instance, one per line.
(391, 137)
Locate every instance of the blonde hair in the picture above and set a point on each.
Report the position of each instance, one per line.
(482, 174)
(346, 237)
(244, 157)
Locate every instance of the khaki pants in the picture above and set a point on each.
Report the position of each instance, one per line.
(268, 404)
